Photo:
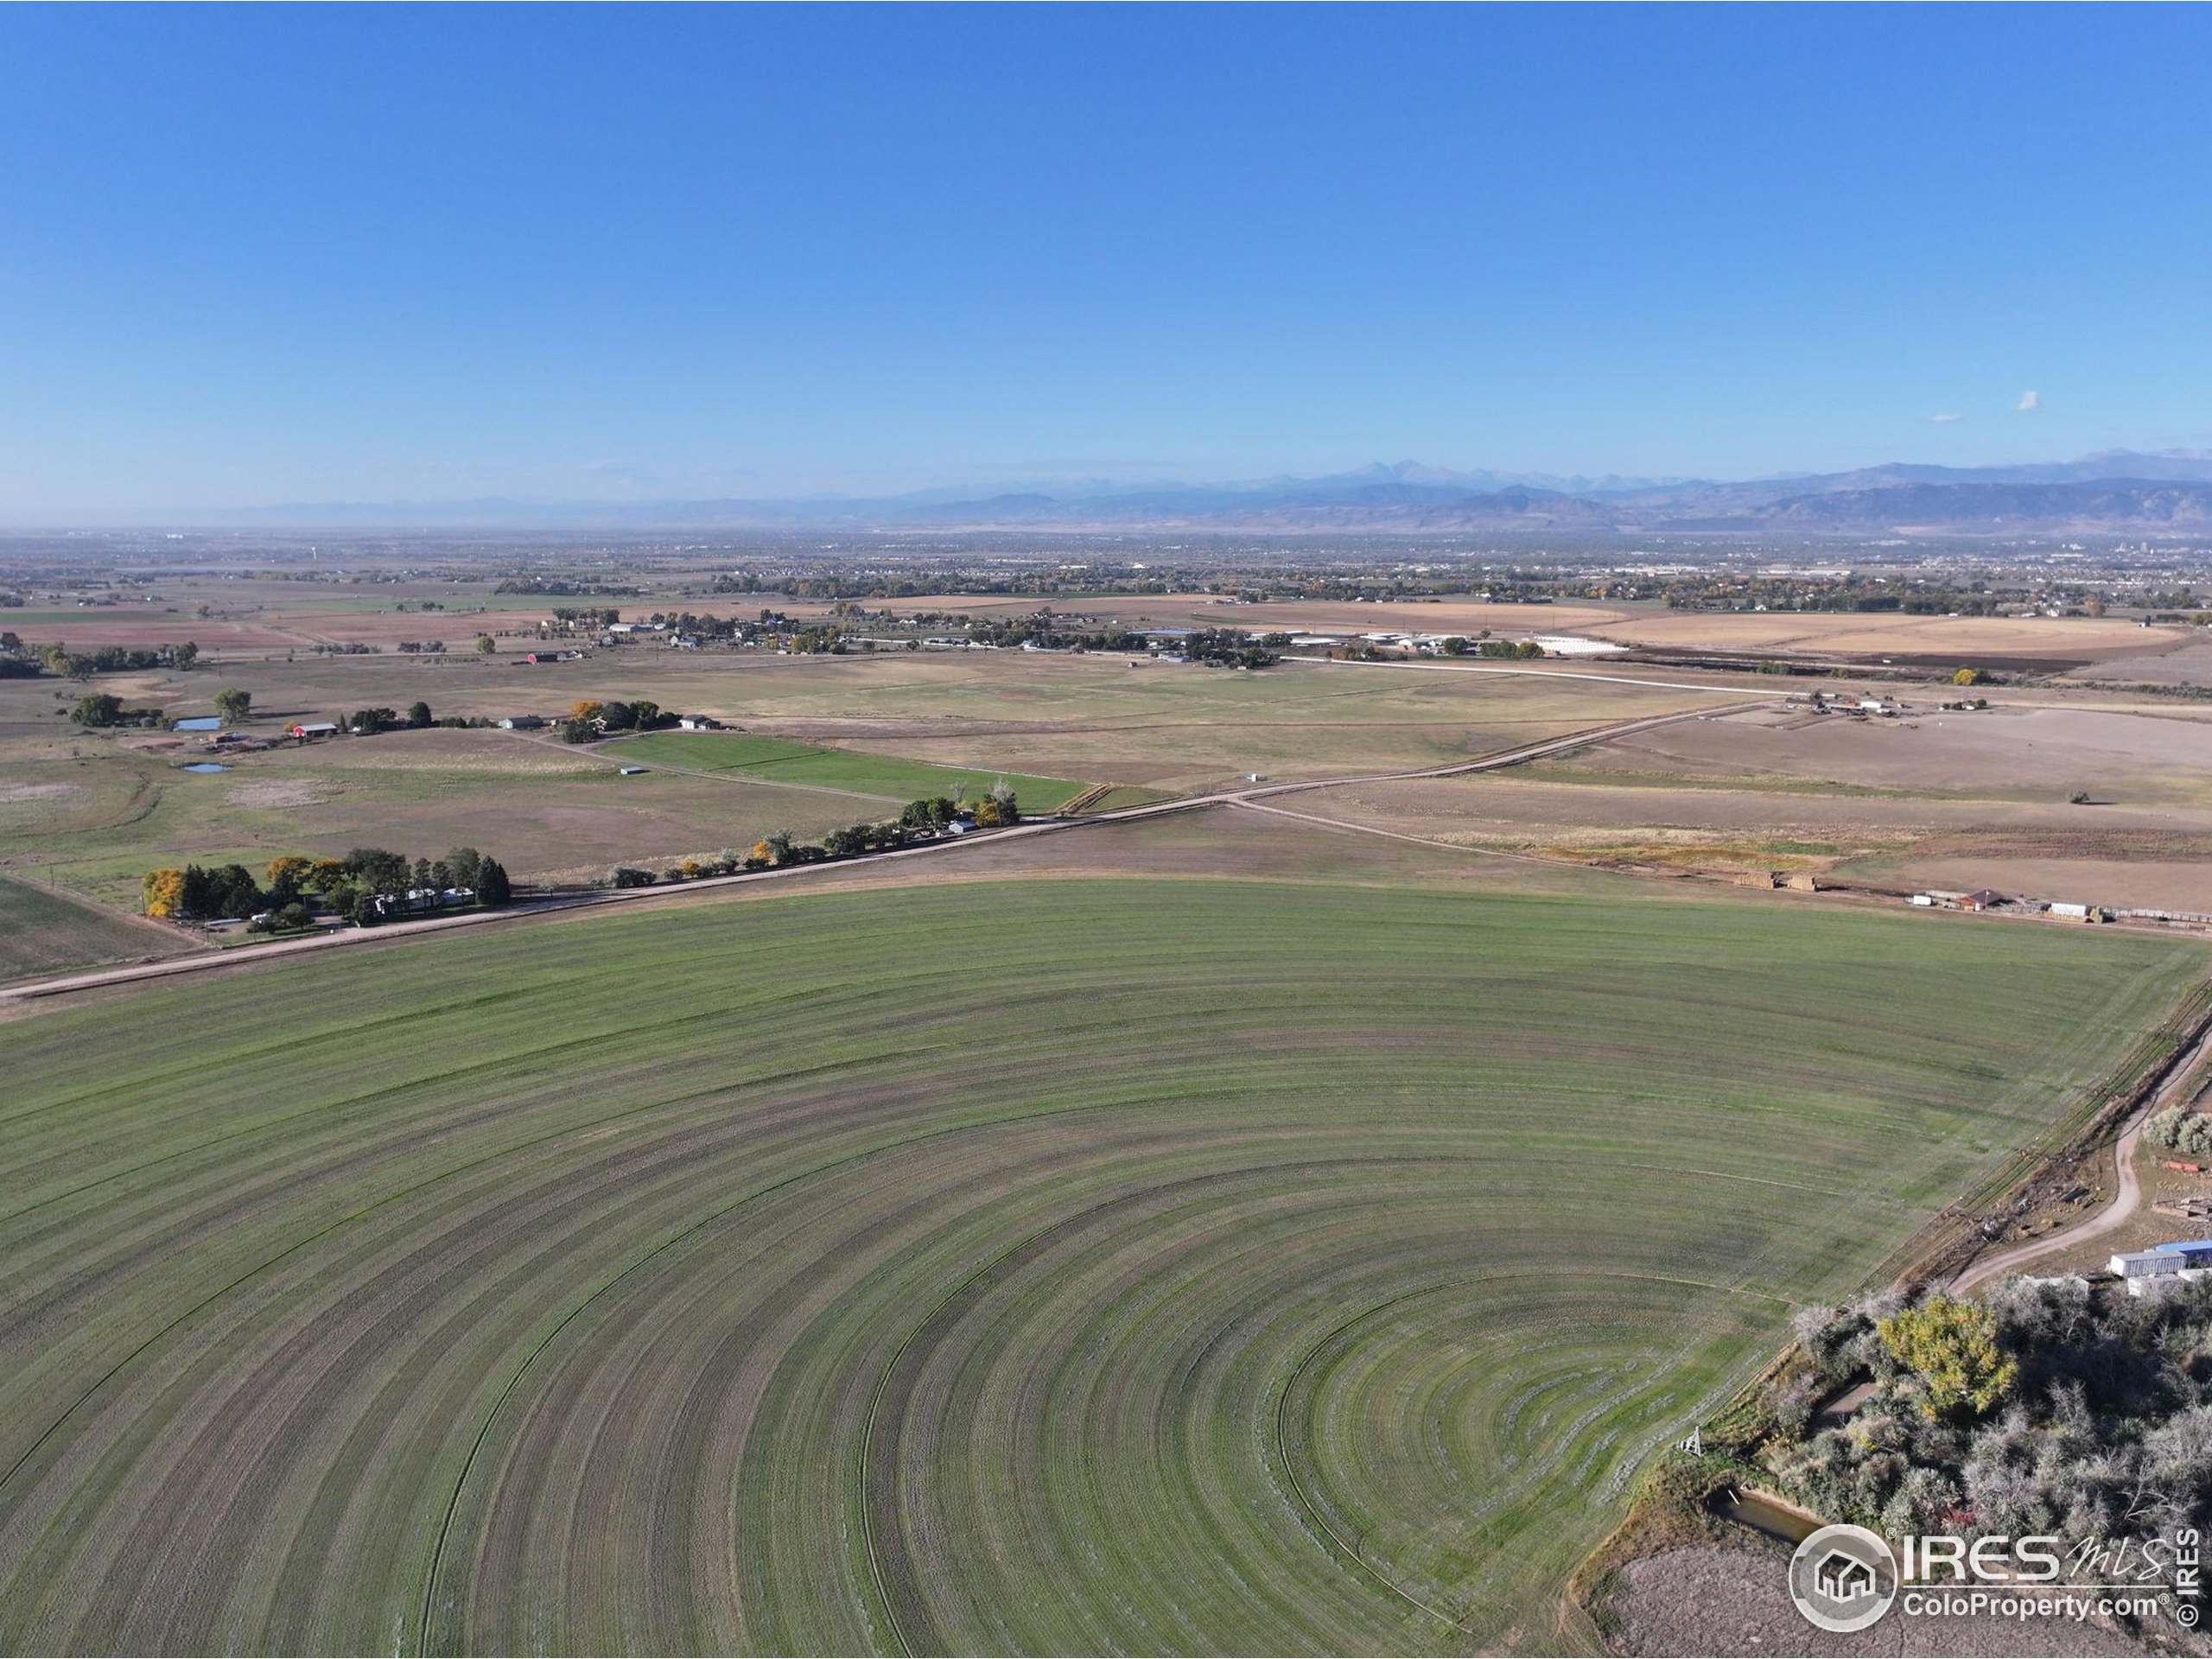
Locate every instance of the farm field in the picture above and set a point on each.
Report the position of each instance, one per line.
(1050, 1265)
(1952, 801)
(2064, 639)
(94, 811)
(43, 932)
(98, 821)
(885, 777)
(1185, 729)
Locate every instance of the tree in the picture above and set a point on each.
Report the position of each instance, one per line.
(98, 709)
(195, 892)
(184, 656)
(165, 892)
(2179, 1129)
(462, 863)
(1952, 1346)
(486, 645)
(369, 722)
(288, 879)
(418, 714)
(625, 876)
(586, 711)
(232, 705)
(493, 890)
(235, 893)
(1967, 676)
(378, 870)
(289, 867)
(931, 813)
(779, 847)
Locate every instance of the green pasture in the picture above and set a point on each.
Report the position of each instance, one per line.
(778, 760)
(1051, 1265)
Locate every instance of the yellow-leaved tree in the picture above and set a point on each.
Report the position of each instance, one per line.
(164, 891)
(1951, 1345)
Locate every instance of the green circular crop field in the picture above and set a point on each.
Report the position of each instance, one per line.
(1043, 1267)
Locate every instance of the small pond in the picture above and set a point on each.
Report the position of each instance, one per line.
(207, 765)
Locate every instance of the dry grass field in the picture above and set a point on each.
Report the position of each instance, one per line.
(98, 821)
(2063, 638)
(1051, 1265)
(95, 811)
(1951, 801)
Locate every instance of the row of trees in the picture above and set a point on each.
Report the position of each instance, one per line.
(349, 887)
(65, 664)
(103, 709)
(920, 819)
(1460, 646)
(590, 718)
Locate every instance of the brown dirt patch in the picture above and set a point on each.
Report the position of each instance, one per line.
(1710, 1599)
(284, 791)
(2065, 639)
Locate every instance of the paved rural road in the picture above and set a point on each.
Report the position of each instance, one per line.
(240, 956)
(2125, 1199)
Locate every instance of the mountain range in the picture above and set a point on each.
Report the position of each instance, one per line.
(2120, 491)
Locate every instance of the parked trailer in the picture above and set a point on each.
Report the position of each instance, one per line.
(2177, 1164)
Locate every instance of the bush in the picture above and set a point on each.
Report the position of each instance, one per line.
(2181, 1130)
(628, 877)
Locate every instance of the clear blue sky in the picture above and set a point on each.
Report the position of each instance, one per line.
(264, 254)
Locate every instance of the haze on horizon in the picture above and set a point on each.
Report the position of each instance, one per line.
(262, 255)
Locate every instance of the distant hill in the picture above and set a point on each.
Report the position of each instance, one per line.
(2117, 492)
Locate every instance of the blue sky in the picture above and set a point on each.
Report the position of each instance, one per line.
(326, 253)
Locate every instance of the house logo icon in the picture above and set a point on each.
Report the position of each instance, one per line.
(1843, 1579)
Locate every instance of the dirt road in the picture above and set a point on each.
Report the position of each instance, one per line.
(2128, 1195)
(241, 956)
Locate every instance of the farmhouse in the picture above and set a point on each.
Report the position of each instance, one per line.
(699, 723)
(2167, 1264)
(308, 730)
(1981, 898)
(522, 722)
